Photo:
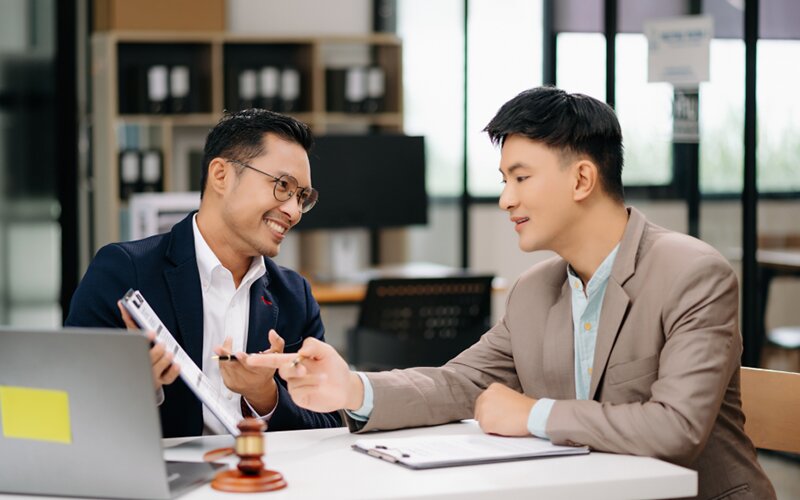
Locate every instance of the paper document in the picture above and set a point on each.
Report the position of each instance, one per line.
(194, 377)
(429, 452)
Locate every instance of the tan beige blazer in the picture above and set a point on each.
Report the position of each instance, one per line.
(665, 381)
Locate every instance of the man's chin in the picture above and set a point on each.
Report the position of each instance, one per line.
(529, 246)
(272, 251)
(525, 246)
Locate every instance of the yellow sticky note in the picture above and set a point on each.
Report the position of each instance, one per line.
(40, 414)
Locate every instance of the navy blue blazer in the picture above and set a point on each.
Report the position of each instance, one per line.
(164, 269)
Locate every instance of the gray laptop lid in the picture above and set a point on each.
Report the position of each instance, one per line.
(111, 446)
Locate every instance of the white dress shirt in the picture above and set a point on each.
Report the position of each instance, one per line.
(226, 313)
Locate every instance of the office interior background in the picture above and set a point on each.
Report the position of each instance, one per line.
(737, 189)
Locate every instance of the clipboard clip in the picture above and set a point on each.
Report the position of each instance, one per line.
(382, 452)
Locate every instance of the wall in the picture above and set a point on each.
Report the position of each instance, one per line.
(299, 17)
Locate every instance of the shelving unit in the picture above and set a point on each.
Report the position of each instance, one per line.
(214, 60)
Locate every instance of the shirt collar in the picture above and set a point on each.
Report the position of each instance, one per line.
(599, 277)
(207, 261)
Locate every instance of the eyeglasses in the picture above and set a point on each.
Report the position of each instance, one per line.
(286, 187)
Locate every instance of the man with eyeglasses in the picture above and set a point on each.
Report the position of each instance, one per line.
(213, 283)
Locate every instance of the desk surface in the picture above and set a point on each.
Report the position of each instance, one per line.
(352, 292)
(321, 464)
(338, 293)
(785, 259)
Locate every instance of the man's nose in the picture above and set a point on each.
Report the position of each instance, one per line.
(507, 199)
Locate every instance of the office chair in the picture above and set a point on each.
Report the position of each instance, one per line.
(771, 405)
(407, 322)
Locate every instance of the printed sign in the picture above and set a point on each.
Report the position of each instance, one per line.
(678, 49)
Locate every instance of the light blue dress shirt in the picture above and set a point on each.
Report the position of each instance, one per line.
(363, 413)
(586, 307)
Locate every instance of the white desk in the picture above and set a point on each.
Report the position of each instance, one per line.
(319, 464)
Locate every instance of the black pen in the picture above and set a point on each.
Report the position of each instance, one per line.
(226, 357)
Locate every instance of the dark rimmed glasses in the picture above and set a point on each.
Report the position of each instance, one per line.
(286, 187)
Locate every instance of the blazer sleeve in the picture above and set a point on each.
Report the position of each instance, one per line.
(94, 303)
(289, 416)
(431, 396)
(699, 357)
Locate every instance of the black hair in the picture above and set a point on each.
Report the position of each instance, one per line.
(570, 123)
(239, 136)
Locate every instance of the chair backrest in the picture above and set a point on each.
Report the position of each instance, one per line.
(771, 404)
(419, 321)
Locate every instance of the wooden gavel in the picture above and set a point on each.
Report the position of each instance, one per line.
(250, 476)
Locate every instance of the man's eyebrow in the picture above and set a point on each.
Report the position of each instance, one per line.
(513, 167)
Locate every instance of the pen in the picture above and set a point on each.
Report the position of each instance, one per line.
(225, 357)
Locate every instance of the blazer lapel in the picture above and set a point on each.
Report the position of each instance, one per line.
(263, 315)
(616, 300)
(183, 282)
(615, 305)
(559, 348)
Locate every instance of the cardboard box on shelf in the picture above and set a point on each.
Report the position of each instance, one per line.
(159, 15)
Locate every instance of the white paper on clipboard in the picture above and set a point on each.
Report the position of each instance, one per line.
(195, 379)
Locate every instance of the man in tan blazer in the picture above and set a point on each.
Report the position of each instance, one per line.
(627, 341)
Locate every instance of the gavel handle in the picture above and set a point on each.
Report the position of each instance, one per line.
(214, 455)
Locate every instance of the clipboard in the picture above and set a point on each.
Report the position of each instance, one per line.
(195, 379)
(431, 452)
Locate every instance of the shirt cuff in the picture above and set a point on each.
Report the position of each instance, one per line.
(255, 414)
(363, 413)
(537, 419)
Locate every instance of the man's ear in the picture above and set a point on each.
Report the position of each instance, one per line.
(219, 175)
(586, 177)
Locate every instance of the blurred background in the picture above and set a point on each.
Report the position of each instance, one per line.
(105, 104)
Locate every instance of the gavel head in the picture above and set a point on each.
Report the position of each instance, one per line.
(250, 446)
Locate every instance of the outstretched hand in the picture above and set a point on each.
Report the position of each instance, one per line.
(317, 377)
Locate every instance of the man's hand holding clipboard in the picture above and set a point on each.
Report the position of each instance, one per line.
(194, 378)
(165, 371)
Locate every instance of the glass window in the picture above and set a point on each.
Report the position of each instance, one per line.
(433, 86)
(645, 115)
(778, 115)
(30, 234)
(505, 58)
(581, 63)
(722, 119)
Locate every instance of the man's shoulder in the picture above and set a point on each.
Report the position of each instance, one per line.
(548, 274)
(671, 249)
(135, 249)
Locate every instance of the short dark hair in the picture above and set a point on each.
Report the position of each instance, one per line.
(239, 136)
(571, 123)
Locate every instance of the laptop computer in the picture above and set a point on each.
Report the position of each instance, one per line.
(78, 417)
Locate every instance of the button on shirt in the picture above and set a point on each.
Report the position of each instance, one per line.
(586, 307)
(226, 313)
